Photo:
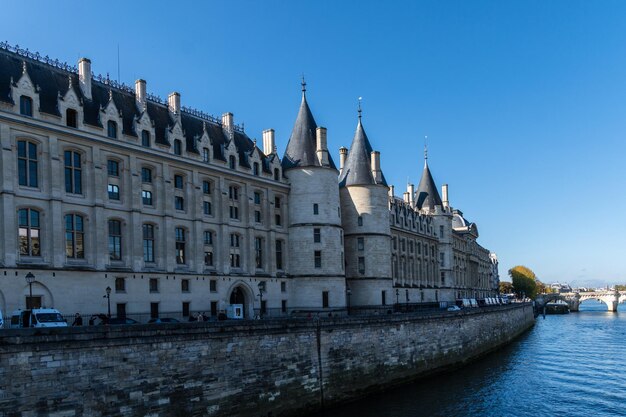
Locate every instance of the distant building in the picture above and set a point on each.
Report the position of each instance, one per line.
(102, 185)
(558, 287)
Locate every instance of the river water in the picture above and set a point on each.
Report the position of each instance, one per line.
(567, 365)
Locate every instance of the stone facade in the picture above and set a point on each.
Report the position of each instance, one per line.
(105, 186)
(261, 368)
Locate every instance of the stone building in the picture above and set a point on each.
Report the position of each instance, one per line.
(176, 211)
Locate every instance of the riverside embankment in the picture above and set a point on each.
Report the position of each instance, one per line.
(260, 368)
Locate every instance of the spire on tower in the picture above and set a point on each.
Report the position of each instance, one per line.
(359, 108)
(425, 148)
(303, 83)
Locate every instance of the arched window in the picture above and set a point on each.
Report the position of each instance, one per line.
(26, 106)
(29, 232)
(148, 242)
(71, 118)
(73, 173)
(205, 155)
(74, 236)
(115, 240)
(112, 129)
(27, 163)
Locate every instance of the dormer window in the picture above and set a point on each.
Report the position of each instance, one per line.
(178, 147)
(231, 162)
(71, 118)
(255, 169)
(276, 174)
(205, 154)
(112, 129)
(145, 138)
(26, 106)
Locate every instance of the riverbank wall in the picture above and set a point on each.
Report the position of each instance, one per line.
(257, 368)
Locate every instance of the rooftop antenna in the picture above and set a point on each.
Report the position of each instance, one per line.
(118, 62)
(359, 108)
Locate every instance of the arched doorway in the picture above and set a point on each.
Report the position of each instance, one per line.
(238, 300)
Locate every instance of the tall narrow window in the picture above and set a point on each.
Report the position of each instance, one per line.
(205, 154)
(360, 221)
(316, 209)
(146, 175)
(206, 208)
(113, 168)
(208, 237)
(361, 265)
(74, 236)
(255, 168)
(231, 162)
(146, 197)
(71, 118)
(360, 244)
(276, 174)
(148, 243)
(178, 147)
(27, 163)
(145, 138)
(178, 181)
(73, 172)
(206, 187)
(317, 235)
(179, 203)
(29, 232)
(258, 252)
(279, 254)
(317, 255)
(180, 246)
(114, 192)
(112, 129)
(115, 240)
(26, 106)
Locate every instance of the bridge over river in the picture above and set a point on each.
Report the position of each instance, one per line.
(573, 299)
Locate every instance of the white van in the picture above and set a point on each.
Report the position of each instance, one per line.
(37, 317)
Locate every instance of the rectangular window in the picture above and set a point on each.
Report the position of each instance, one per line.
(113, 168)
(233, 193)
(27, 163)
(206, 208)
(178, 147)
(121, 310)
(361, 265)
(206, 187)
(184, 285)
(360, 221)
(154, 285)
(283, 287)
(114, 192)
(277, 202)
(257, 216)
(318, 258)
(213, 308)
(178, 182)
(208, 237)
(73, 172)
(258, 252)
(205, 154)
(26, 106)
(208, 258)
(360, 244)
(146, 197)
(74, 236)
(234, 212)
(145, 138)
(179, 203)
(278, 220)
(279, 255)
(180, 246)
(115, 240)
(325, 303)
(235, 260)
(120, 285)
(154, 310)
(316, 209)
(146, 175)
(440, 231)
(234, 240)
(213, 285)
(112, 129)
(186, 309)
(257, 198)
(317, 235)
(148, 242)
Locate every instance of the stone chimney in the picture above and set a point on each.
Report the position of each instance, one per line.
(375, 165)
(173, 102)
(227, 121)
(268, 141)
(411, 190)
(406, 197)
(322, 149)
(343, 154)
(444, 194)
(140, 93)
(391, 191)
(84, 76)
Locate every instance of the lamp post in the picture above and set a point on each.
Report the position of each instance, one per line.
(348, 293)
(30, 278)
(108, 297)
(261, 287)
(397, 296)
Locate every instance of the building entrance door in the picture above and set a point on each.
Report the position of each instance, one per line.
(237, 308)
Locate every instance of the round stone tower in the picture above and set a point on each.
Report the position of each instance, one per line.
(315, 247)
(365, 220)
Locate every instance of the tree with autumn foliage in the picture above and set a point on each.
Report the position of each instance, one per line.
(524, 281)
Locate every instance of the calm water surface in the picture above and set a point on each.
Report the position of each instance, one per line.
(567, 365)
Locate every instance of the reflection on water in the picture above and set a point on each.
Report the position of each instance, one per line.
(570, 365)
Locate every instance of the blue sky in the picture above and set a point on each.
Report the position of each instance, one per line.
(524, 103)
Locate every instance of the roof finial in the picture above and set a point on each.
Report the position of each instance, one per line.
(425, 148)
(359, 108)
(303, 85)
(23, 67)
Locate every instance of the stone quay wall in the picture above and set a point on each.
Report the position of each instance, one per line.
(255, 368)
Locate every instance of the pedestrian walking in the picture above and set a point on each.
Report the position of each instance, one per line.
(78, 320)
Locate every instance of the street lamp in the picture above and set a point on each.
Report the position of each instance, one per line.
(397, 296)
(30, 278)
(108, 297)
(261, 290)
(348, 293)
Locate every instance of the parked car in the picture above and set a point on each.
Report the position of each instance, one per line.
(37, 317)
(163, 320)
(100, 319)
(454, 308)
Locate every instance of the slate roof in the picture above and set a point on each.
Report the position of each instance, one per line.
(427, 194)
(53, 82)
(302, 143)
(357, 169)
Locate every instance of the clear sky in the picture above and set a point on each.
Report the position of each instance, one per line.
(523, 102)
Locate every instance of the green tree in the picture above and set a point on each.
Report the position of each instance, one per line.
(524, 281)
(506, 287)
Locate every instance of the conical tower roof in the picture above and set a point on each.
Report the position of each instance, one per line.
(357, 169)
(427, 195)
(301, 148)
